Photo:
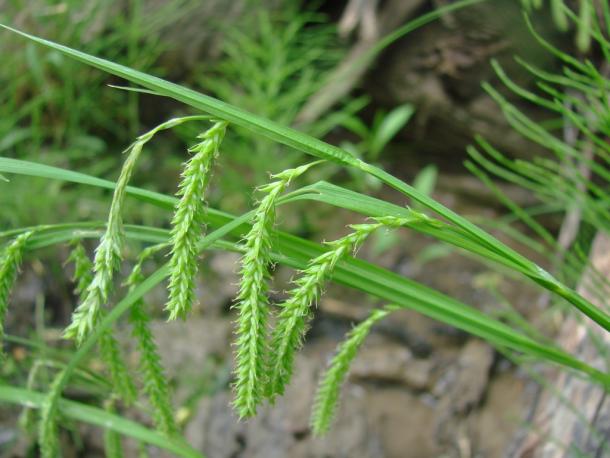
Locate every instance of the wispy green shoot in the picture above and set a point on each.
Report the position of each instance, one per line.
(28, 417)
(48, 432)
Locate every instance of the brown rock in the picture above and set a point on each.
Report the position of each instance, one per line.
(404, 423)
(390, 362)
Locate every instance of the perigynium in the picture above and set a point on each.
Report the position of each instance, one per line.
(188, 224)
(329, 388)
(252, 302)
(10, 259)
(83, 266)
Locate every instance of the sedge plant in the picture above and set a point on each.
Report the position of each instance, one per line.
(265, 349)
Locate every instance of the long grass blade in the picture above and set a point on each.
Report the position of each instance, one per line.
(296, 252)
(99, 417)
(318, 148)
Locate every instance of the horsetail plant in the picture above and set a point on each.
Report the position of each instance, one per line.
(560, 13)
(252, 302)
(10, 260)
(189, 221)
(327, 395)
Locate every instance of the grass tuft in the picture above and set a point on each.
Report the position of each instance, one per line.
(264, 363)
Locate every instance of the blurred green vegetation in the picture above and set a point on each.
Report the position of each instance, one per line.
(59, 112)
(62, 113)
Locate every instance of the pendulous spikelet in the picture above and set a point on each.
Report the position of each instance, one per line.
(107, 257)
(48, 430)
(109, 347)
(110, 352)
(287, 336)
(108, 253)
(155, 382)
(327, 395)
(9, 267)
(188, 223)
(252, 303)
